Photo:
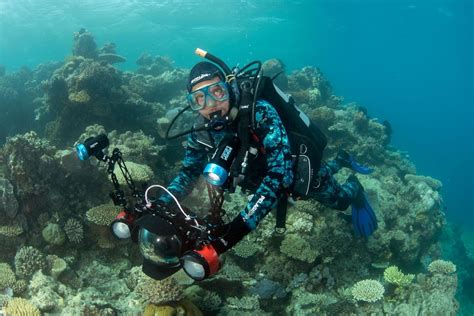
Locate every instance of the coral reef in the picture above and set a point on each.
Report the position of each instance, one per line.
(45, 190)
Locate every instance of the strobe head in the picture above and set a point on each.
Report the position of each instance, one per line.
(122, 225)
(92, 146)
(200, 263)
(217, 170)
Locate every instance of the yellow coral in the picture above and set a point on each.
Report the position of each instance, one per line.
(20, 306)
(11, 230)
(79, 97)
(138, 172)
(159, 291)
(103, 214)
(393, 275)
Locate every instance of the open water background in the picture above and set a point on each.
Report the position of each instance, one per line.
(408, 62)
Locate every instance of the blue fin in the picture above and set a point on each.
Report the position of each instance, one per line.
(357, 167)
(363, 218)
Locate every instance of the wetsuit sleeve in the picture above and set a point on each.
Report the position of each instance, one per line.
(193, 162)
(279, 173)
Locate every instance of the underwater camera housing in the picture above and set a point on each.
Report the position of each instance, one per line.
(170, 237)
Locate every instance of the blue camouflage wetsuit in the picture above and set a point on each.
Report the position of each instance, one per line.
(269, 173)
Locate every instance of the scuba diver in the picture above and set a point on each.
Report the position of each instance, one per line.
(268, 168)
(247, 133)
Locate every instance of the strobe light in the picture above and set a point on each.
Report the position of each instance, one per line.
(92, 146)
(200, 264)
(217, 170)
(122, 226)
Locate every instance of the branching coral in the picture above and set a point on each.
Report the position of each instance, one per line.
(74, 230)
(28, 260)
(20, 306)
(7, 276)
(393, 275)
(368, 291)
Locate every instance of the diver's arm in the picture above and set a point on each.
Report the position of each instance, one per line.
(194, 159)
(279, 164)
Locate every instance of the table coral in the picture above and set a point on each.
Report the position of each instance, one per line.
(368, 291)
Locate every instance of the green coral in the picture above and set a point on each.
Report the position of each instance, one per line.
(393, 275)
(246, 249)
(368, 291)
(28, 260)
(53, 234)
(442, 267)
(296, 247)
(7, 276)
(103, 214)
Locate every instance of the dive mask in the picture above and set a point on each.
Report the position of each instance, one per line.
(199, 99)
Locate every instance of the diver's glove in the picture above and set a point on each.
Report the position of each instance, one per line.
(348, 161)
(229, 234)
(363, 216)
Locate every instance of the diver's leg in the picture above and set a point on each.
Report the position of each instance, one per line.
(330, 193)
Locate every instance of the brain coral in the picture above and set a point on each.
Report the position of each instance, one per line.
(20, 306)
(368, 291)
(28, 260)
(103, 214)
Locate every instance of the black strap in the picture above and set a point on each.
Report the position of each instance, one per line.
(282, 207)
(243, 127)
(216, 197)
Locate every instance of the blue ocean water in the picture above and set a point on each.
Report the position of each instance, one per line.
(408, 62)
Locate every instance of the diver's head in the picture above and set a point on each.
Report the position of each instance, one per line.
(208, 92)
